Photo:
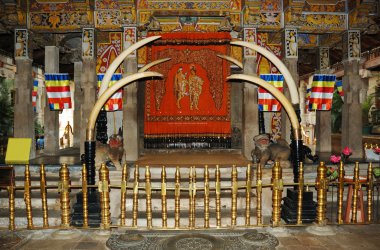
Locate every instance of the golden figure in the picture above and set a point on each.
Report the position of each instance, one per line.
(180, 83)
(195, 88)
(86, 44)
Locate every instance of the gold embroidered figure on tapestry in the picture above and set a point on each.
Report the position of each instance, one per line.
(195, 88)
(180, 83)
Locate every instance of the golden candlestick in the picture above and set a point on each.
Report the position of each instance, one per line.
(321, 185)
(369, 192)
(64, 190)
(300, 193)
(217, 197)
(177, 201)
(340, 192)
(207, 198)
(163, 198)
(123, 194)
(248, 196)
(104, 190)
(234, 190)
(11, 193)
(355, 195)
(259, 190)
(27, 198)
(148, 193)
(43, 196)
(84, 196)
(135, 196)
(277, 187)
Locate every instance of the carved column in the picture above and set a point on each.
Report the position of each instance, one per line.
(353, 87)
(23, 110)
(130, 102)
(51, 123)
(290, 59)
(78, 101)
(250, 124)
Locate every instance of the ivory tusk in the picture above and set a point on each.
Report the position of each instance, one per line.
(231, 60)
(112, 68)
(108, 93)
(277, 62)
(275, 92)
(154, 63)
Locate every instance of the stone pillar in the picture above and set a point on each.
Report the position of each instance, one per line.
(290, 59)
(130, 121)
(51, 122)
(78, 101)
(88, 85)
(23, 110)
(353, 86)
(323, 118)
(250, 125)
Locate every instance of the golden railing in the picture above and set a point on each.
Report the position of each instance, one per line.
(207, 184)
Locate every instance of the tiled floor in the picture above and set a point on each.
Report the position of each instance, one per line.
(346, 237)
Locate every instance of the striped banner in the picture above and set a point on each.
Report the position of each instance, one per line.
(34, 94)
(339, 87)
(307, 98)
(58, 91)
(322, 90)
(116, 100)
(265, 100)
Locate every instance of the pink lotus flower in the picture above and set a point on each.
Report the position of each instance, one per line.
(335, 159)
(376, 150)
(347, 151)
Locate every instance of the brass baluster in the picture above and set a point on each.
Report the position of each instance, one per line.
(355, 196)
(135, 196)
(217, 198)
(177, 200)
(11, 193)
(300, 193)
(248, 196)
(123, 194)
(191, 197)
(340, 192)
(207, 198)
(85, 196)
(64, 190)
(27, 198)
(277, 187)
(194, 191)
(43, 196)
(163, 198)
(259, 190)
(234, 190)
(369, 192)
(321, 185)
(148, 193)
(104, 190)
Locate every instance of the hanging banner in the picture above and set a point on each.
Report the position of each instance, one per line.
(322, 90)
(116, 100)
(58, 91)
(34, 94)
(193, 99)
(266, 101)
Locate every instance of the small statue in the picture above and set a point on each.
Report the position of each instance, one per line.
(266, 150)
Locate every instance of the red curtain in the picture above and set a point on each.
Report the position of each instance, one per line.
(193, 99)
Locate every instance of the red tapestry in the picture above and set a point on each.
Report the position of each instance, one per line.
(193, 99)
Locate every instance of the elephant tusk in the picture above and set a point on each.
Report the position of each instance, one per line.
(231, 60)
(154, 63)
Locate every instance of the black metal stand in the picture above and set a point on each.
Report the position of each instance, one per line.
(101, 127)
(290, 205)
(261, 123)
(93, 196)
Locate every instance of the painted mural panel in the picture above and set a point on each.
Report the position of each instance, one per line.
(88, 41)
(307, 40)
(291, 43)
(21, 43)
(251, 37)
(109, 46)
(209, 5)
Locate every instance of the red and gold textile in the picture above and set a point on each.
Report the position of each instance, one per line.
(193, 99)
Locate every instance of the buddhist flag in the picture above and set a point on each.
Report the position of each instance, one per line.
(307, 98)
(266, 101)
(58, 91)
(322, 90)
(34, 94)
(116, 100)
(339, 87)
